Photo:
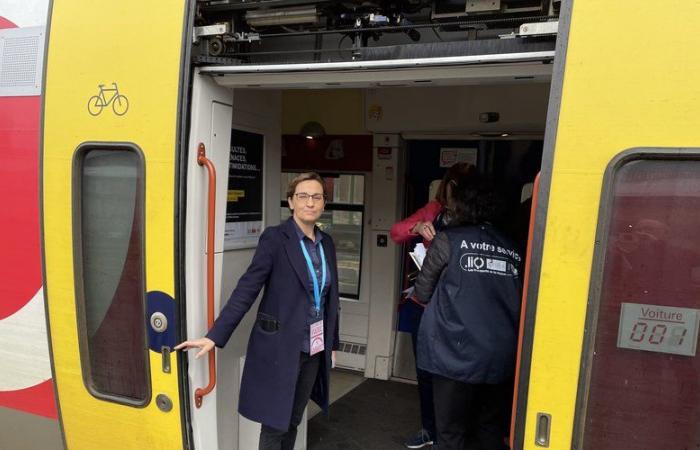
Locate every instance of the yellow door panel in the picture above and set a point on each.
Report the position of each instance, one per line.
(625, 84)
(112, 90)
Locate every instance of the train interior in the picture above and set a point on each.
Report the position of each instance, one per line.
(384, 150)
(266, 108)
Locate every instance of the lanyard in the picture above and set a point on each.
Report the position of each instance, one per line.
(314, 278)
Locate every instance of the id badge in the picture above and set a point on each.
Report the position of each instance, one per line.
(316, 337)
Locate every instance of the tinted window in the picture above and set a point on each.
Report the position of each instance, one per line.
(110, 273)
(647, 398)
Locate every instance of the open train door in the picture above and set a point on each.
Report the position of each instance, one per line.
(114, 82)
(614, 298)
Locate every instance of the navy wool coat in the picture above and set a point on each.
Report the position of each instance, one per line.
(272, 362)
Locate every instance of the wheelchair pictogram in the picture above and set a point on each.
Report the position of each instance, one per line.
(120, 104)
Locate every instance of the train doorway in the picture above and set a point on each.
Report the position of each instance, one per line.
(374, 135)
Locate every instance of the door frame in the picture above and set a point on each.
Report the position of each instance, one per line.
(537, 238)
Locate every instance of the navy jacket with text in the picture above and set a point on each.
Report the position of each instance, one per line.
(470, 280)
(272, 359)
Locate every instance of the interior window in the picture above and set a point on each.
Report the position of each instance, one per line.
(342, 219)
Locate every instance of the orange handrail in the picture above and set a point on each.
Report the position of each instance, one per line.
(202, 160)
(523, 306)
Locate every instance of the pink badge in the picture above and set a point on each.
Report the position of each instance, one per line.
(316, 337)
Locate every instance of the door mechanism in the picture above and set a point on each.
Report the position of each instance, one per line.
(544, 427)
(159, 322)
(165, 353)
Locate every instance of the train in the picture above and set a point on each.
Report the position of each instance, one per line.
(147, 145)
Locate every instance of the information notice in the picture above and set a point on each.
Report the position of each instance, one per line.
(244, 199)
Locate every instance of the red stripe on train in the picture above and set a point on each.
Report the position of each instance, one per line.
(37, 400)
(4, 23)
(20, 259)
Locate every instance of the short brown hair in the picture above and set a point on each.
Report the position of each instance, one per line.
(305, 177)
(453, 174)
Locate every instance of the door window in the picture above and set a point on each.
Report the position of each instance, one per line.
(644, 380)
(110, 285)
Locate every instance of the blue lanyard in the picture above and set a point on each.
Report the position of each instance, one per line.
(317, 291)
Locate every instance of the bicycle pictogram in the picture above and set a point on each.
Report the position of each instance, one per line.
(120, 104)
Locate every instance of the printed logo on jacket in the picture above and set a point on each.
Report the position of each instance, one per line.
(483, 257)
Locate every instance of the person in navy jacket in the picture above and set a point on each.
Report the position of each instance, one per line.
(293, 342)
(470, 281)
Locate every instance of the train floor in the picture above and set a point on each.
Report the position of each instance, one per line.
(374, 415)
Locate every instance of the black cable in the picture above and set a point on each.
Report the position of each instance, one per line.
(340, 50)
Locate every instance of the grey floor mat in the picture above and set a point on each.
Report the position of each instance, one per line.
(376, 415)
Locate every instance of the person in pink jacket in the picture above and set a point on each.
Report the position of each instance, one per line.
(426, 222)
(434, 215)
(418, 223)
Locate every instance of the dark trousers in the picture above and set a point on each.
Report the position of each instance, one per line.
(272, 439)
(471, 416)
(425, 390)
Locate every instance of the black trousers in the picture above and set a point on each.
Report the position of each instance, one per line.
(471, 416)
(425, 390)
(273, 439)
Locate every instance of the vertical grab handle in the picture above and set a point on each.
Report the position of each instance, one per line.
(202, 160)
(523, 306)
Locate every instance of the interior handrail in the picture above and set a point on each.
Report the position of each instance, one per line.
(202, 160)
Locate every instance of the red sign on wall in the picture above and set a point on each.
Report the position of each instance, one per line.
(333, 153)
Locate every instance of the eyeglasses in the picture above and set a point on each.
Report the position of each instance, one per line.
(304, 196)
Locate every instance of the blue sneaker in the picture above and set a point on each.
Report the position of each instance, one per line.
(420, 440)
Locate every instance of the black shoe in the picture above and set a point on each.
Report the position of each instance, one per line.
(420, 440)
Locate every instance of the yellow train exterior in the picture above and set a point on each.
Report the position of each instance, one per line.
(137, 45)
(620, 89)
(617, 86)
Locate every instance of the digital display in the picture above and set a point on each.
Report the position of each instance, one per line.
(663, 329)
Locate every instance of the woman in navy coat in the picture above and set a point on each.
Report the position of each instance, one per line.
(289, 356)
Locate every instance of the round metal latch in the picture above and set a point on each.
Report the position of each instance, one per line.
(164, 403)
(159, 322)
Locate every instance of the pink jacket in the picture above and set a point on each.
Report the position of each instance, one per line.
(401, 231)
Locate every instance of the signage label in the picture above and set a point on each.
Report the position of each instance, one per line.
(662, 329)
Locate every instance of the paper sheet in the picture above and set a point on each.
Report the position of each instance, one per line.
(418, 254)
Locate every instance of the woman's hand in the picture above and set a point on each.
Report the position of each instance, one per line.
(425, 229)
(205, 344)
